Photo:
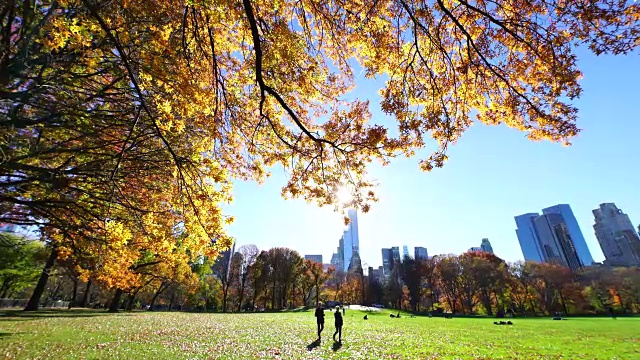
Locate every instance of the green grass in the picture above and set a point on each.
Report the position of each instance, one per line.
(78, 334)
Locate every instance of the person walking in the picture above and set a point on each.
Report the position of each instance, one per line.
(338, 324)
(320, 319)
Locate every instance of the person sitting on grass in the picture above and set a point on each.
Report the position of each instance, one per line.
(320, 319)
(338, 324)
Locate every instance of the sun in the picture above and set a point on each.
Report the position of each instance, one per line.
(343, 195)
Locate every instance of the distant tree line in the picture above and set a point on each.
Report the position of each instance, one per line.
(280, 278)
(481, 283)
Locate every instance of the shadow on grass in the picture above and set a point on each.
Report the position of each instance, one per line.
(313, 345)
(19, 315)
(4, 335)
(336, 345)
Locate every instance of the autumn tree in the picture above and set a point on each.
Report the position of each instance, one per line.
(519, 283)
(629, 289)
(249, 254)
(132, 115)
(260, 273)
(393, 287)
(448, 270)
(484, 278)
(430, 279)
(412, 274)
(314, 278)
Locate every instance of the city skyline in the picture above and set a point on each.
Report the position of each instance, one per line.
(493, 173)
(485, 242)
(617, 236)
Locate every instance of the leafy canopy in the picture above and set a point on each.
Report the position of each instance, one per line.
(122, 121)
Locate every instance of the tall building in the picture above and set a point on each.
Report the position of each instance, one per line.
(223, 263)
(556, 242)
(405, 251)
(528, 237)
(420, 252)
(553, 237)
(485, 245)
(315, 258)
(356, 264)
(351, 241)
(375, 275)
(564, 210)
(396, 255)
(617, 236)
(387, 261)
(337, 259)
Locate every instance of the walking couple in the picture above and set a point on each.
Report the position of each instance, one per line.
(320, 321)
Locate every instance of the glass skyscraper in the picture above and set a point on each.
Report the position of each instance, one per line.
(553, 237)
(350, 238)
(486, 246)
(387, 260)
(564, 210)
(528, 237)
(420, 252)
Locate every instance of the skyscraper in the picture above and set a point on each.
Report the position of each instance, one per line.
(528, 237)
(350, 238)
(316, 258)
(420, 252)
(553, 237)
(396, 255)
(556, 242)
(564, 210)
(356, 264)
(405, 251)
(337, 259)
(387, 260)
(617, 237)
(485, 245)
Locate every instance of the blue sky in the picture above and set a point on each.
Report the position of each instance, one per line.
(493, 174)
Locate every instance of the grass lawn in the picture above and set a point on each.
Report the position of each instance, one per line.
(80, 334)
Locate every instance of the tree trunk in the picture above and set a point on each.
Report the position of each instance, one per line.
(74, 296)
(34, 301)
(486, 297)
(563, 303)
(254, 297)
(225, 293)
(115, 302)
(85, 296)
(153, 300)
(273, 296)
(241, 295)
(54, 293)
(172, 299)
(533, 307)
(130, 299)
(5, 288)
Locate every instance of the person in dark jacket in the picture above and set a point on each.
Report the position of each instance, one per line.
(338, 332)
(320, 318)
